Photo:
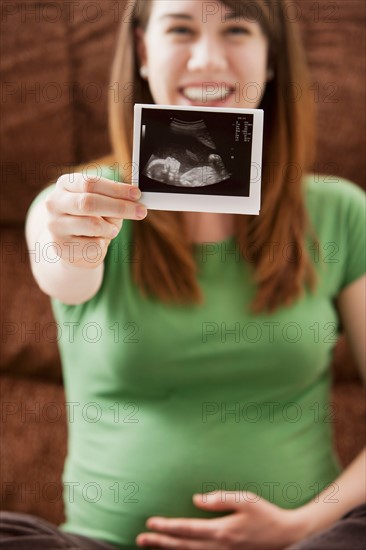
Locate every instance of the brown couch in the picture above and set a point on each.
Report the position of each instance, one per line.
(55, 66)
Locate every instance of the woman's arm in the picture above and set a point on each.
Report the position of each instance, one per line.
(346, 492)
(349, 489)
(69, 284)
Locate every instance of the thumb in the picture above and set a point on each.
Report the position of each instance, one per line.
(218, 500)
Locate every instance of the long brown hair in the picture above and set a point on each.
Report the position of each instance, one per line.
(166, 268)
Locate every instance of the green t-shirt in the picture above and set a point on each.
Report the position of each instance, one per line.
(168, 401)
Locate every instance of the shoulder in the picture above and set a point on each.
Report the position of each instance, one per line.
(321, 190)
(334, 203)
(337, 212)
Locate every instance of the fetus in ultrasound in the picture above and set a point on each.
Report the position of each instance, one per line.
(190, 159)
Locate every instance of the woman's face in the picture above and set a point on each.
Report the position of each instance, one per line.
(199, 53)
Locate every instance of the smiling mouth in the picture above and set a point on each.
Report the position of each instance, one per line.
(204, 95)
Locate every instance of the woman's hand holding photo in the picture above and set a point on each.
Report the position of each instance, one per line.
(84, 210)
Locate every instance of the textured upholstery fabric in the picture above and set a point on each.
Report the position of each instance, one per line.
(333, 33)
(29, 332)
(55, 68)
(37, 117)
(33, 448)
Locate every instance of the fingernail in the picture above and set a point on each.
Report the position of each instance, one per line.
(141, 212)
(114, 232)
(135, 193)
(151, 523)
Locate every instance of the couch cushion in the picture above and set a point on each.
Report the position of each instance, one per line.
(333, 33)
(344, 366)
(348, 418)
(29, 331)
(33, 447)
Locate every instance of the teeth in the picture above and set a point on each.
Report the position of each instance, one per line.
(200, 94)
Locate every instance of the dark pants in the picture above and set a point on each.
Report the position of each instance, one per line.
(26, 532)
(349, 533)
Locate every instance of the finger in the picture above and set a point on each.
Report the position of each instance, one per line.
(83, 226)
(165, 541)
(77, 183)
(187, 527)
(115, 221)
(91, 204)
(220, 500)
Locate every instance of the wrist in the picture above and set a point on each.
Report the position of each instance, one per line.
(301, 524)
(311, 519)
(82, 267)
(292, 527)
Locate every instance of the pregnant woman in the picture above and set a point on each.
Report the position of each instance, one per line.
(191, 342)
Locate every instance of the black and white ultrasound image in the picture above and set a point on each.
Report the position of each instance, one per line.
(195, 152)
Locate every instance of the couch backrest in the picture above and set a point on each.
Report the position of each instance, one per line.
(56, 59)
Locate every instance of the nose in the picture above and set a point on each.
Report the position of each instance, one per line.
(207, 55)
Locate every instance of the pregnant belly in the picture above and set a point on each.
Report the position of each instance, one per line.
(126, 473)
(121, 484)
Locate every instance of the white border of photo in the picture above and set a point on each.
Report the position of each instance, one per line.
(204, 203)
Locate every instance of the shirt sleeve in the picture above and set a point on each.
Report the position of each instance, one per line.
(354, 204)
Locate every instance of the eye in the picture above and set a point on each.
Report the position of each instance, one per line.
(180, 30)
(237, 30)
